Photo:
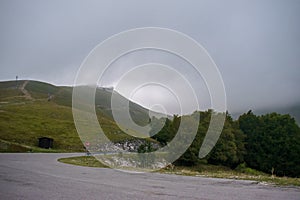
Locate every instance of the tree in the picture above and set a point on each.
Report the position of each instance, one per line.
(167, 132)
(229, 150)
(273, 142)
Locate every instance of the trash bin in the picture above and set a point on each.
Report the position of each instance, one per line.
(45, 142)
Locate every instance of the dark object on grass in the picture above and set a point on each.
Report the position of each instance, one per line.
(45, 142)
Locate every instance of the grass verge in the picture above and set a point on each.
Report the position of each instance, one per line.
(87, 161)
(206, 170)
(201, 170)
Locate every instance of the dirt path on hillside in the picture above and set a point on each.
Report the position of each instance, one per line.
(25, 92)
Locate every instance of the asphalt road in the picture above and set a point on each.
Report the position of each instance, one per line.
(40, 176)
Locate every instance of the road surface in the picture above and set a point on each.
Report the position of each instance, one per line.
(39, 176)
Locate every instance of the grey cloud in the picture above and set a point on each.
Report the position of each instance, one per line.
(255, 44)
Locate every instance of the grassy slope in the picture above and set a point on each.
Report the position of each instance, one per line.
(23, 121)
(63, 96)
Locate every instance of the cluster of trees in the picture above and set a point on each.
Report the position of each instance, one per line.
(272, 143)
(269, 143)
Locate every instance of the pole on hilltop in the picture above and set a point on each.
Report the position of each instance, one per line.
(17, 81)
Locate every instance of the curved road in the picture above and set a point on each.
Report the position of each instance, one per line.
(40, 176)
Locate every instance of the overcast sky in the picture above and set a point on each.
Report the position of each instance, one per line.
(255, 44)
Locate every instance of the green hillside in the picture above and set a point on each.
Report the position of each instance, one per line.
(63, 96)
(27, 114)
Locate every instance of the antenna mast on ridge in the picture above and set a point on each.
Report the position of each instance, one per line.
(17, 81)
